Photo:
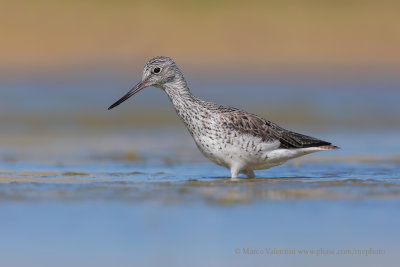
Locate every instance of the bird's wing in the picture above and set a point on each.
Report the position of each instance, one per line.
(247, 123)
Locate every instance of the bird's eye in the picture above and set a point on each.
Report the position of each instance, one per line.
(156, 70)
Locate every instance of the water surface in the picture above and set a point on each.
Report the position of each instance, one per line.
(95, 188)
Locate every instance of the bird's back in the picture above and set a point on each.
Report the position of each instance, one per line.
(236, 120)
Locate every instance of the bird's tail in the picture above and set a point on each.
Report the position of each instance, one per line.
(329, 147)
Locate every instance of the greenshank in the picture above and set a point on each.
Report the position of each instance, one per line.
(230, 137)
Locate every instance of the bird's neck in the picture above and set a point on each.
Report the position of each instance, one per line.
(187, 106)
(179, 94)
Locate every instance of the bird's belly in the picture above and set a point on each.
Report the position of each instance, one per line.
(249, 152)
(213, 153)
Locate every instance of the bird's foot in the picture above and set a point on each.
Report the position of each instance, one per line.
(250, 174)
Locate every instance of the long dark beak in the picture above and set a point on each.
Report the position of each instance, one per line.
(133, 91)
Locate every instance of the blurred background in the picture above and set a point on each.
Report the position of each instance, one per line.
(71, 171)
(307, 65)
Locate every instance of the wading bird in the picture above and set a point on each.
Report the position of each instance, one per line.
(229, 137)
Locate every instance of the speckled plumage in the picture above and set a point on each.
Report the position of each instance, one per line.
(230, 137)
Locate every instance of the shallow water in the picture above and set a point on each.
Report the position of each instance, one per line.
(82, 189)
(101, 203)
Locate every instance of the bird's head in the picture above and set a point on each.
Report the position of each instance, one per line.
(158, 72)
